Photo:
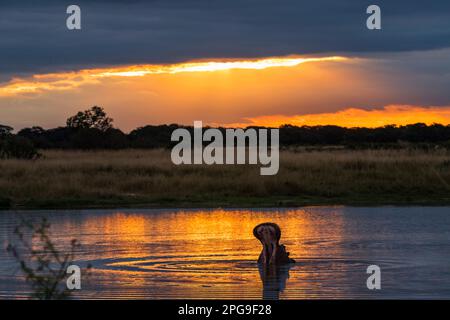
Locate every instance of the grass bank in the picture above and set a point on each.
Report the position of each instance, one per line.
(147, 178)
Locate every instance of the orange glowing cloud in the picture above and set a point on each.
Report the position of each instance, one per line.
(354, 117)
(72, 80)
(239, 93)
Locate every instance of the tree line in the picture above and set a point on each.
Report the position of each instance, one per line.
(93, 129)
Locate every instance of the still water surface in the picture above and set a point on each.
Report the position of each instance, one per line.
(174, 253)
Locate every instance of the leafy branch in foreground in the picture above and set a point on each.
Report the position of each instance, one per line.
(43, 265)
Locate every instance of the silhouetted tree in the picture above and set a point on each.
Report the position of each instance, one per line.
(152, 136)
(92, 129)
(92, 138)
(60, 137)
(12, 146)
(5, 130)
(36, 135)
(94, 118)
(115, 139)
(31, 132)
(18, 148)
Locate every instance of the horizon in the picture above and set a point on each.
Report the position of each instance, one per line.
(240, 126)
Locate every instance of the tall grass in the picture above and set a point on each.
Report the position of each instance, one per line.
(148, 177)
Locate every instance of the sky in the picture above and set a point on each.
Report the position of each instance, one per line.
(226, 62)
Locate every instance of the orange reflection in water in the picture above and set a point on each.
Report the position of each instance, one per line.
(211, 254)
(201, 253)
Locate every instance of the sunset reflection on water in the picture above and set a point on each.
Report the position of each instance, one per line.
(202, 253)
(212, 253)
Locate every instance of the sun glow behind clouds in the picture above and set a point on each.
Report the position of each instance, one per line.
(71, 80)
(211, 66)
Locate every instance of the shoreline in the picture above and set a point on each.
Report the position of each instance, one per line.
(230, 204)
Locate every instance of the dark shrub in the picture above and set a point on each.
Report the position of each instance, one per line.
(15, 147)
(91, 138)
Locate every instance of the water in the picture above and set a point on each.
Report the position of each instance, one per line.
(175, 253)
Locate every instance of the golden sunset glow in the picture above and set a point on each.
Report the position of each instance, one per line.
(71, 80)
(270, 91)
(353, 117)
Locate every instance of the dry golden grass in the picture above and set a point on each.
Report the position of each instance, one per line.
(148, 177)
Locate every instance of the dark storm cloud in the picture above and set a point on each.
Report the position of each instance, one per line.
(34, 37)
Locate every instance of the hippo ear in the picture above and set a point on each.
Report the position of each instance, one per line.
(278, 231)
(255, 232)
(257, 229)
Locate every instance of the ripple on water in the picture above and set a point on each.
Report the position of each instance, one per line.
(212, 253)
